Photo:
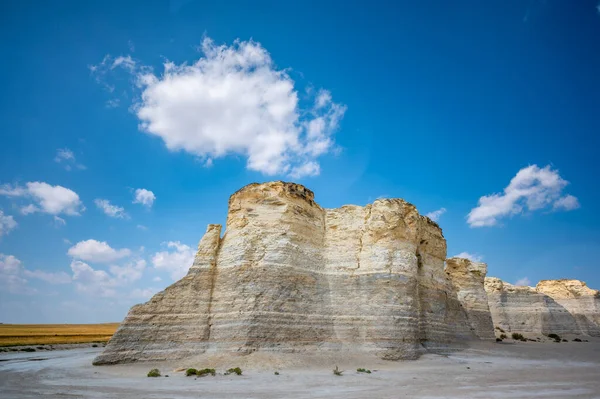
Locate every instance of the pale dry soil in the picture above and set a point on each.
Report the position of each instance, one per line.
(485, 370)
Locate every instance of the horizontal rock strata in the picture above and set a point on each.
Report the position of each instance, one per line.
(291, 276)
(554, 306)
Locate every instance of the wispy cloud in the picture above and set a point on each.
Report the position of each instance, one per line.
(66, 157)
(523, 282)
(111, 210)
(435, 215)
(471, 257)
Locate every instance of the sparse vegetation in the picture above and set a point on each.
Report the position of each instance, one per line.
(564, 340)
(337, 371)
(553, 336)
(234, 370)
(503, 336)
(577, 340)
(190, 371)
(203, 372)
(361, 370)
(499, 329)
(154, 373)
(27, 350)
(276, 373)
(498, 339)
(518, 337)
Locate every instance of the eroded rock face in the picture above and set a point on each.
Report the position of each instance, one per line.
(554, 306)
(289, 275)
(577, 298)
(467, 279)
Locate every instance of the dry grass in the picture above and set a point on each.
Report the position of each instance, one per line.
(39, 334)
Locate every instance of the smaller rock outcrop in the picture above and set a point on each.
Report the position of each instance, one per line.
(554, 306)
(467, 280)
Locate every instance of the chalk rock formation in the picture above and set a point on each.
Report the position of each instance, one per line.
(554, 306)
(577, 298)
(291, 276)
(467, 279)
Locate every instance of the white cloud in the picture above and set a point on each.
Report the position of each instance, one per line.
(49, 277)
(11, 276)
(144, 197)
(129, 272)
(176, 262)
(113, 103)
(435, 215)
(471, 257)
(157, 279)
(523, 282)
(233, 100)
(532, 188)
(54, 200)
(96, 251)
(142, 227)
(111, 210)
(567, 203)
(91, 281)
(67, 241)
(58, 221)
(66, 157)
(7, 223)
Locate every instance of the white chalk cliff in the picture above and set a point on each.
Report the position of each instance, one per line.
(291, 276)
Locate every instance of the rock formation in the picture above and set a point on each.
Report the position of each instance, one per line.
(467, 279)
(554, 306)
(291, 276)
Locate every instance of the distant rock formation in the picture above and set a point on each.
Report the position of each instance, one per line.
(554, 306)
(467, 279)
(291, 276)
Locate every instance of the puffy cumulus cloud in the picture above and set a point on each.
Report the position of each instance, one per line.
(435, 215)
(233, 100)
(129, 272)
(111, 210)
(91, 281)
(97, 252)
(532, 189)
(13, 276)
(144, 197)
(471, 257)
(9, 264)
(175, 261)
(66, 157)
(523, 282)
(54, 200)
(7, 223)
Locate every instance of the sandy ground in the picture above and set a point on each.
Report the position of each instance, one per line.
(486, 370)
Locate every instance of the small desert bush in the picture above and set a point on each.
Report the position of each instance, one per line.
(499, 329)
(276, 373)
(28, 350)
(498, 339)
(337, 371)
(518, 337)
(576, 340)
(234, 370)
(203, 372)
(190, 371)
(95, 346)
(361, 370)
(154, 373)
(503, 336)
(554, 336)
(564, 340)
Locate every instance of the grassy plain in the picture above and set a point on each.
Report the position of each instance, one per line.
(40, 334)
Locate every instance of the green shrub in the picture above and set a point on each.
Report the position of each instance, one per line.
(190, 371)
(154, 373)
(564, 340)
(518, 337)
(503, 336)
(498, 339)
(576, 340)
(499, 329)
(363, 371)
(276, 373)
(95, 346)
(337, 371)
(554, 336)
(203, 372)
(234, 370)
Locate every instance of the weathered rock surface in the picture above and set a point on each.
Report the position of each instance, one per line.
(554, 306)
(291, 276)
(467, 279)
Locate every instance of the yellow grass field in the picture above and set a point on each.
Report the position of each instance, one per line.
(39, 334)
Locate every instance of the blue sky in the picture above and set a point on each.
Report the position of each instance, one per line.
(127, 126)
